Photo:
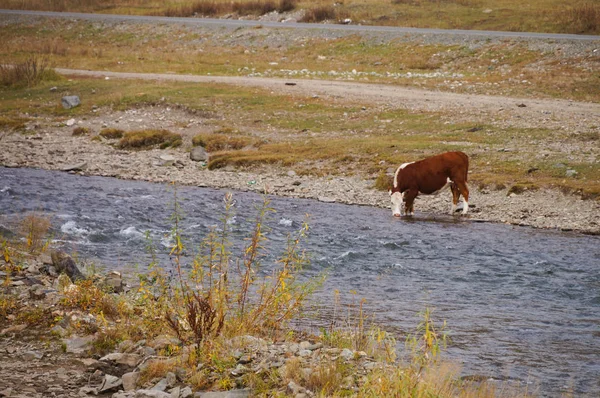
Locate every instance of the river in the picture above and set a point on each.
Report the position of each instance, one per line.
(521, 304)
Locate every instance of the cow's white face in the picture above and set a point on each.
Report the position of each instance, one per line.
(397, 203)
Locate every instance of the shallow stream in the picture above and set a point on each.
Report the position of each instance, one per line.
(521, 304)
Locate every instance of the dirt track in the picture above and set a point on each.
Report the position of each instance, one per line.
(535, 112)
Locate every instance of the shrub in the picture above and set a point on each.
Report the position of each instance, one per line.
(27, 73)
(286, 5)
(319, 14)
(259, 7)
(112, 133)
(146, 139)
(383, 182)
(33, 228)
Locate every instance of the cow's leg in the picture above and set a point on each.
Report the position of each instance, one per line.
(455, 196)
(464, 191)
(409, 200)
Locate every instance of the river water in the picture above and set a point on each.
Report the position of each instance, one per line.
(521, 304)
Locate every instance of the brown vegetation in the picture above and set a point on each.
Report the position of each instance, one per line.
(147, 139)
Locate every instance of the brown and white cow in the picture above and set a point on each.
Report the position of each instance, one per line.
(430, 176)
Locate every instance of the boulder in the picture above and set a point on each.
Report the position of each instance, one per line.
(64, 263)
(75, 167)
(110, 383)
(198, 154)
(114, 281)
(70, 101)
(77, 345)
(151, 394)
(130, 380)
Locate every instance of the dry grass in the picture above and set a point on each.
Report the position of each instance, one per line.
(576, 16)
(582, 18)
(223, 140)
(79, 131)
(27, 73)
(112, 133)
(148, 139)
(12, 123)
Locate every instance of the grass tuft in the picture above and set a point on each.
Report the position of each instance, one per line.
(79, 131)
(319, 14)
(148, 139)
(112, 133)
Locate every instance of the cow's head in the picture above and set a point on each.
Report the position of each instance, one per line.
(397, 203)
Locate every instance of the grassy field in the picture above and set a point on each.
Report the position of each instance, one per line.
(574, 16)
(498, 68)
(254, 128)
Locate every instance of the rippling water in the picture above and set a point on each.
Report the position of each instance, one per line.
(520, 303)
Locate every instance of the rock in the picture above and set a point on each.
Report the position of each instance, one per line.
(77, 345)
(198, 154)
(31, 355)
(12, 329)
(291, 173)
(347, 354)
(243, 393)
(64, 263)
(131, 360)
(114, 282)
(326, 199)
(110, 383)
(186, 393)
(571, 173)
(130, 380)
(152, 394)
(171, 379)
(295, 388)
(176, 392)
(53, 89)
(70, 122)
(87, 390)
(59, 331)
(37, 292)
(163, 341)
(75, 167)
(70, 101)
(161, 385)
(123, 394)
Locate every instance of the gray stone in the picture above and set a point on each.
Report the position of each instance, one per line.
(161, 385)
(123, 394)
(326, 199)
(243, 393)
(37, 292)
(176, 392)
(347, 354)
(70, 122)
(198, 154)
(75, 167)
(130, 380)
(77, 345)
(70, 101)
(186, 393)
(571, 173)
(31, 355)
(171, 379)
(110, 383)
(114, 281)
(130, 360)
(64, 263)
(163, 341)
(151, 394)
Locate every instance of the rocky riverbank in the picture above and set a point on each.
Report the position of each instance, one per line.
(51, 145)
(44, 350)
